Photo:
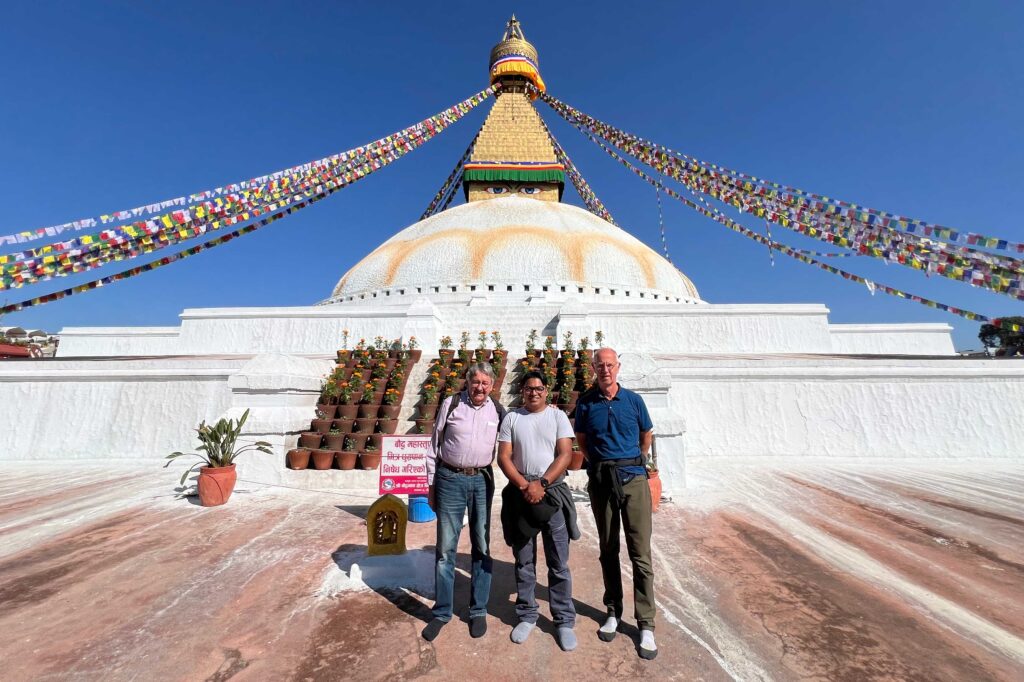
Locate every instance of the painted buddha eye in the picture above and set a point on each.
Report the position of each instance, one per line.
(529, 190)
(497, 190)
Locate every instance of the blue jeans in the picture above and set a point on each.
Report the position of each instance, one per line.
(453, 494)
(555, 537)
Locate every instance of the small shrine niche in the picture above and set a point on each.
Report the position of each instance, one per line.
(386, 523)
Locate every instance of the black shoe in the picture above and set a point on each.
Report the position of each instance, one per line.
(433, 629)
(647, 654)
(477, 626)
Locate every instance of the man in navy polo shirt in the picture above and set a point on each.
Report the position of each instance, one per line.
(614, 431)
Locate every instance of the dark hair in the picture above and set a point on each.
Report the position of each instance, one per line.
(534, 374)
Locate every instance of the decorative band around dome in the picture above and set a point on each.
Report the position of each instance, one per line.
(517, 65)
(497, 171)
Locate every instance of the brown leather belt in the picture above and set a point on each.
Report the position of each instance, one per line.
(466, 471)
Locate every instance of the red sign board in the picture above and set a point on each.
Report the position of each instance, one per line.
(403, 464)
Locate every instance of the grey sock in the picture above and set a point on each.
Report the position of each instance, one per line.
(521, 632)
(566, 638)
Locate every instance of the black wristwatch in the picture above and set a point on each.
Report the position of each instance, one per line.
(544, 483)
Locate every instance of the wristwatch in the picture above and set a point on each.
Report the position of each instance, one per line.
(544, 483)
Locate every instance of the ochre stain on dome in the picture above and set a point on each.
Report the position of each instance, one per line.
(480, 244)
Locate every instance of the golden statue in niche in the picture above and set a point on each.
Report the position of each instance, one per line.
(386, 523)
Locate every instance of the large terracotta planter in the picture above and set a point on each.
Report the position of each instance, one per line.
(369, 460)
(310, 440)
(576, 463)
(216, 485)
(346, 459)
(323, 459)
(298, 459)
(347, 411)
(654, 480)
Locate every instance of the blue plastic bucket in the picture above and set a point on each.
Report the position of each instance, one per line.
(419, 510)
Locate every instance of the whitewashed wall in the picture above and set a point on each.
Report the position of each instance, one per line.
(97, 409)
(110, 341)
(892, 339)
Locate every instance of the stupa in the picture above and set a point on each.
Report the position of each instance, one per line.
(723, 381)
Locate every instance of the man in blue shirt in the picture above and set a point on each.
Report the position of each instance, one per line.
(614, 431)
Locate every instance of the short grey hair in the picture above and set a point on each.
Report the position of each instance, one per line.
(480, 368)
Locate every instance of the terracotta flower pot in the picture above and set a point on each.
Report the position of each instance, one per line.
(343, 425)
(427, 411)
(415, 355)
(446, 355)
(387, 426)
(298, 458)
(365, 425)
(356, 441)
(369, 460)
(374, 440)
(310, 440)
(334, 441)
(323, 459)
(343, 356)
(654, 480)
(347, 411)
(346, 459)
(216, 485)
(390, 411)
(367, 410)
(577, 460)
(424, 425)
(321, 425)
(328, 411)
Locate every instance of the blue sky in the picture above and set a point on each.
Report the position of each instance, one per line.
(909, 107)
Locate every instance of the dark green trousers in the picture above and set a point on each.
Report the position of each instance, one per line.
(635, 518)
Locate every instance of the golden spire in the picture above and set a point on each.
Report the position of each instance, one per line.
(514, 59)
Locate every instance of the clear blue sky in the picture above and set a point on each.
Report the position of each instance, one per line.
(910, 107)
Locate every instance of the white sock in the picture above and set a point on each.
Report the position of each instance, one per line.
(566, 638)
(521, 632)
(647, 640)
(610, 625)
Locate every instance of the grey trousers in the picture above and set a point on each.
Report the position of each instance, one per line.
(556, 553)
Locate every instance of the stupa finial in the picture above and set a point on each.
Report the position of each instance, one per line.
(514, 60)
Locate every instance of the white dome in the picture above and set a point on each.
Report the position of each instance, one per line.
(519, 245)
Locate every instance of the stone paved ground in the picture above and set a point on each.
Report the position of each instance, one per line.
(838, 573)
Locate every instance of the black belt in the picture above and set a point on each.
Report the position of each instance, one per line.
(466, 471)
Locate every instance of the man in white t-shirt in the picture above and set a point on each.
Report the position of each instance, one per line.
(534, 450)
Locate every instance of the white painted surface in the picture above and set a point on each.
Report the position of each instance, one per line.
(514, 241)
(892, 339)
(108, 341)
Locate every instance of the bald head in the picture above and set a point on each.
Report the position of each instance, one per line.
(606, 368)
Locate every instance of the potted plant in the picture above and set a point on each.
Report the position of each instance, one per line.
(334, 439)
(343, 355)
(482, 354)
(387, 425)
(391, 405)
(323, 459)
(298, 458)
(217, 474)
(347, 457)
(346, 406)
(413, 350)
(499, 353)
(370, 457)
(446, 353)
(310, 441)
(430, 394)
(531, 344)
(653, 478)
(576, 463)
(586, 355)
(329, 391)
